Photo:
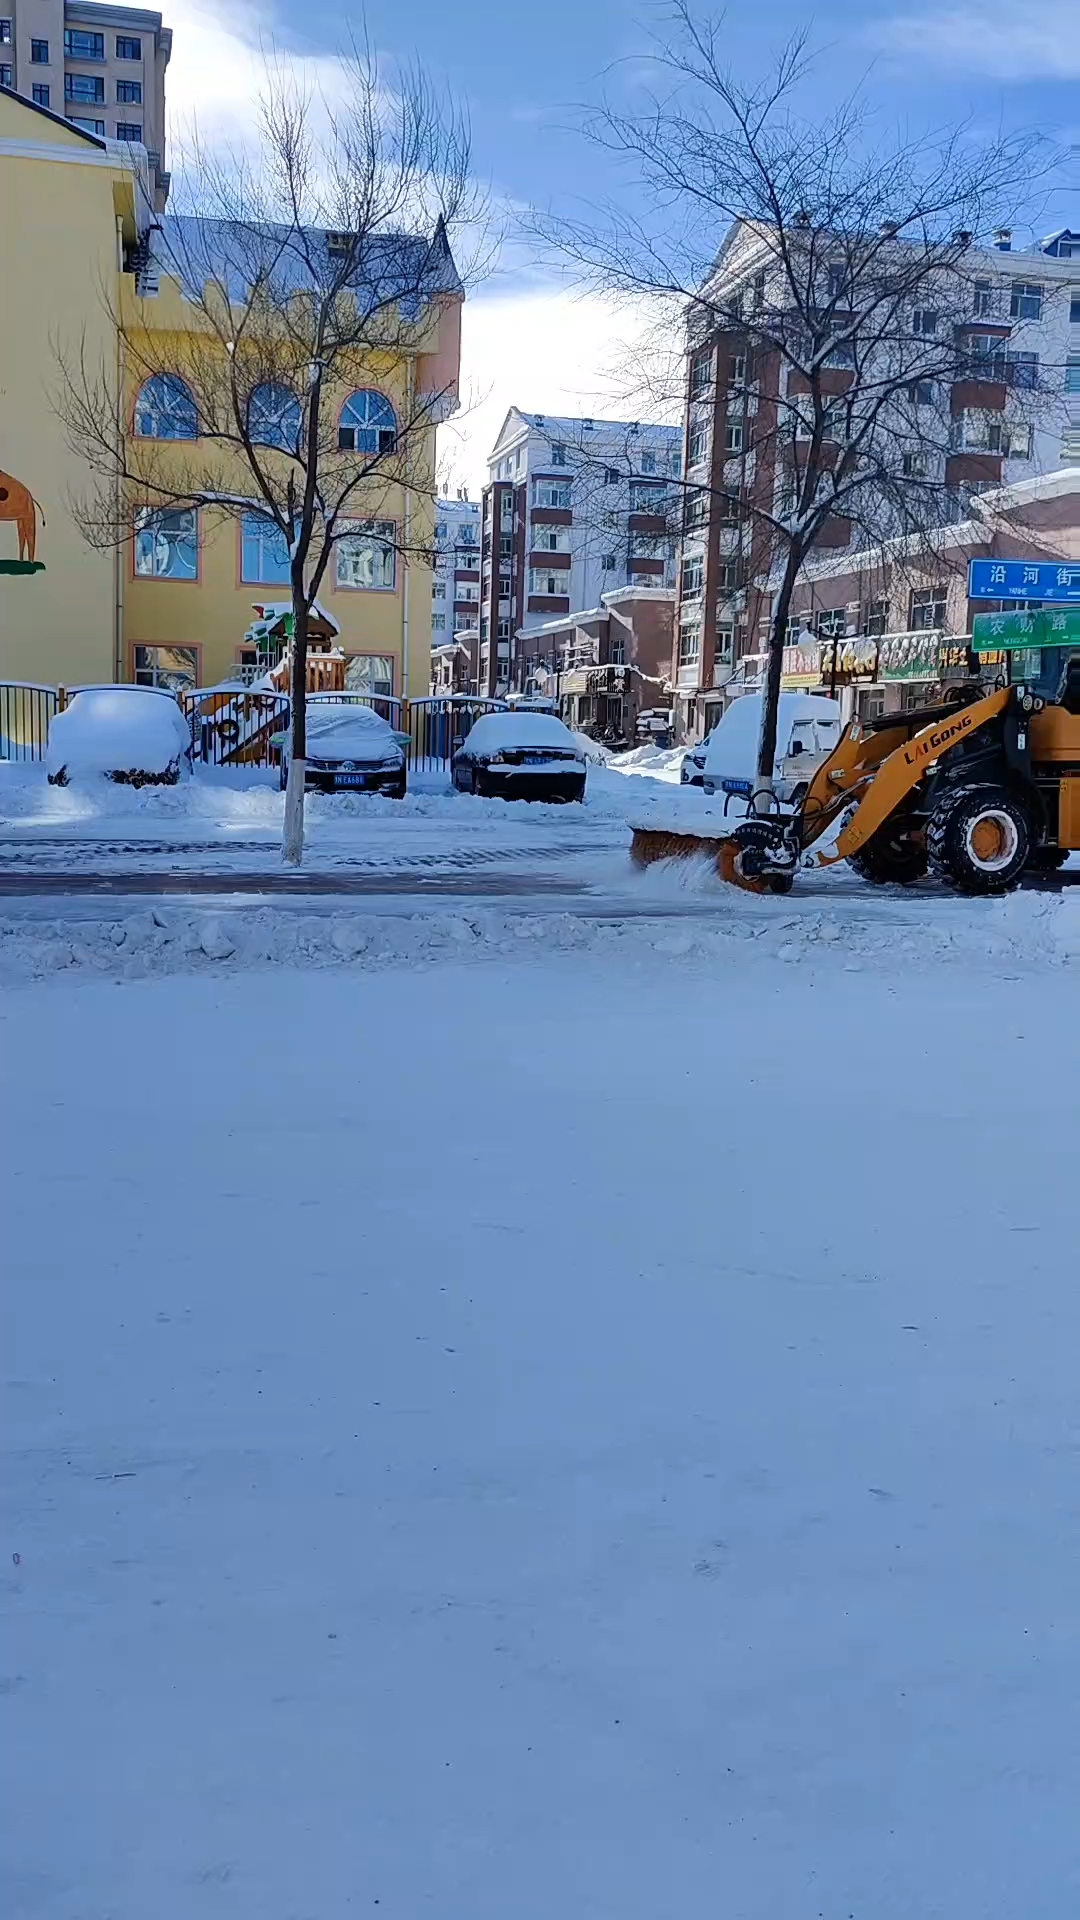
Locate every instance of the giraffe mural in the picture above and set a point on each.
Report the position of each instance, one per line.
(17, 503)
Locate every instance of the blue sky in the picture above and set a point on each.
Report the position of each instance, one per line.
(521, 69)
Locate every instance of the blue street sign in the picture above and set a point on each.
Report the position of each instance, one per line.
(1055, 581)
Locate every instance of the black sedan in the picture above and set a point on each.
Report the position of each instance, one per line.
(520, 756)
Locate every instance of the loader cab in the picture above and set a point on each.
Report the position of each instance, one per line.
(1052, 672)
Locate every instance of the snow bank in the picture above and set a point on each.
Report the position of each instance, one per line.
(117, 730)
(663, 763)
(847, 932)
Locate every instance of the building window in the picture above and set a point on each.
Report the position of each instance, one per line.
(502, 630)
(549, 581)
(438, 590)
(264, 553)
(128, 46)
(915, 466)
(983, 300)
(922, 392)
(701, 374)
(370, 673)
(41, 96)
(728, 576)
(725, 642)
(129, 93)
(875, 618)
(86, 89)
(734, 436)
(83, 46)
(368, 424)
(924, 321)
(607, 563)
(558, 454)
(166, 543)
(174, 667)
(5, 33)
(7, 74)
(551, 493)
(689, 642)
(834, 281)
(648, 463)
(927, 608)
(39, 53)
(1018, 440)
(647, 497)
(438, 623)
(1072, 373)
(96, 127)
(1074, 310)
(697, 446)
(166, 410)
(1025, 301)
(127, 130)
(549, 540)
(693, 575)
(1070, 447)
(611, 476)
(273, 417)
(1022, 370)
(367, 556)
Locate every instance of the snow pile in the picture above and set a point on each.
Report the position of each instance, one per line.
(112, 731)
(923, 932)
(663, 763)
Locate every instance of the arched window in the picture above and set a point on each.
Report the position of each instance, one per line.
(166, 410)
(274, 417)
(368, 423)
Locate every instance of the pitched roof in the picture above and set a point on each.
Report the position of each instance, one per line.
(193, 249)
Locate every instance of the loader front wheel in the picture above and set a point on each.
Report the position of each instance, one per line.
(892, 856)
(980, 840)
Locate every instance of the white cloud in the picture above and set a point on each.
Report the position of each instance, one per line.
(218, 67)
(1013, 40)
(546, 350)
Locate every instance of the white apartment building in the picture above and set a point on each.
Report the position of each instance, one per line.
(573, 509)
(455, 573)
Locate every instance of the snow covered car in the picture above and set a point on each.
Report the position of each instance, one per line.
(350, 748)
(135, 735)
(520, 756)
(807, 730)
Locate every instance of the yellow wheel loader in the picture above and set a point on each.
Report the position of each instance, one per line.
(978, 791)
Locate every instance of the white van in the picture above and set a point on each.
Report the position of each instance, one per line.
(807, 730)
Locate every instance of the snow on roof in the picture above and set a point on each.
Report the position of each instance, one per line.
(521, 729)
(193, 250)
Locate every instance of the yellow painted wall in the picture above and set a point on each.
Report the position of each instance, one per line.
(81, 619)
(214, 612)
(59, 265)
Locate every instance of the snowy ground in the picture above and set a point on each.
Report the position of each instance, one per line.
(561, 1408)
(543, 1418)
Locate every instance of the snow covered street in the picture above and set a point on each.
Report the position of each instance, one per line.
(494, 1436)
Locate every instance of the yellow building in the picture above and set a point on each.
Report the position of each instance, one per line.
(169, 600)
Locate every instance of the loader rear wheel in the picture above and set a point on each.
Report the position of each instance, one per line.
(980, 840)
(892, 856)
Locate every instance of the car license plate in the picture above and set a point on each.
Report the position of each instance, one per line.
(350, 779)
(736, 786)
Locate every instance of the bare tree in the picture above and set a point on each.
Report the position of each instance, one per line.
(314, 266)
(821, 287)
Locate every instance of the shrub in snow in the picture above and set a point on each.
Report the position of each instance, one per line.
(136, 735)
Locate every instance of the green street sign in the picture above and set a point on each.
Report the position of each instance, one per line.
(1050, 627)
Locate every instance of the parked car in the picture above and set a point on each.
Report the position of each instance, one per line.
(137, 736)
(520, 756)
(692, 765)
(350, 748)
(807, 730)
